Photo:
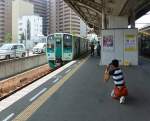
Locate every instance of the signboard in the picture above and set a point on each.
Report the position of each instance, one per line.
(130, 43)
(108, 42)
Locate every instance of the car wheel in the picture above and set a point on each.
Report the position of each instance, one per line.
(23, 54)
(7, 57)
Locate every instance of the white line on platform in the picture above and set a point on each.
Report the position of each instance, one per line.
(9, 117)
(38, 94)
(67, 71)
(59, 76)
(18, 95)
(57, 79)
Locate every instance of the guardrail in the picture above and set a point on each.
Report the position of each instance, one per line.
(15, 66)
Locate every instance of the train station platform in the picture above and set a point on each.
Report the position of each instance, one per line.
(80, 94)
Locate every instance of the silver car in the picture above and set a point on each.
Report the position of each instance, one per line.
(8, 51)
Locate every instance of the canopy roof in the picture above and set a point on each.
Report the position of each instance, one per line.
(91, 10)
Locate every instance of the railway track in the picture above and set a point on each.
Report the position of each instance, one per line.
(13, 84)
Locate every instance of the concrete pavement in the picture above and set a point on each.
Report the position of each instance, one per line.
(85, 97)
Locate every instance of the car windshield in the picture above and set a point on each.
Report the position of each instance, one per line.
(39, 45)
(6, 47)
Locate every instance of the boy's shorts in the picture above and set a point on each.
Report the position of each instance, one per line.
(120, 91)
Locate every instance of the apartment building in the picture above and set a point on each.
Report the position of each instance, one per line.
(63, 19)
(8, 16)
(19, 8)
(5, 18)
(2, 20)
(40, 9)
(30, 28)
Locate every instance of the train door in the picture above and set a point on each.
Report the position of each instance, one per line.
(50, 48)
(58, 50)
(78, 46)
(67, 47)
(51, 51)
(75, 52)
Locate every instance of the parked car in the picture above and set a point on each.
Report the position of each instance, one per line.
(8, 51)
(39, 48)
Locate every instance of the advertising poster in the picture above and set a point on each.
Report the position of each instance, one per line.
(108, 42)
(130, 43)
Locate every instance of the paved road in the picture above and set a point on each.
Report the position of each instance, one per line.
(85, 97)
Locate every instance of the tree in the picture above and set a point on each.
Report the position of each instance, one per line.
(8, 37)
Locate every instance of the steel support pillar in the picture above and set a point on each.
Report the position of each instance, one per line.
(132, 15)
(132, 19)
(103, 15)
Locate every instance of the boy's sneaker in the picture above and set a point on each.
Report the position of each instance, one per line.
(122, 99)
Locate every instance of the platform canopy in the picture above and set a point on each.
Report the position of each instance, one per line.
(91, 10)
(145, 30)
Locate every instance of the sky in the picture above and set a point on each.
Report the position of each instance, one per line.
(143, 21)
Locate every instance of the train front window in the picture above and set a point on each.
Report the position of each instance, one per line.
(58, 40)
(50, 42)
(67, 41)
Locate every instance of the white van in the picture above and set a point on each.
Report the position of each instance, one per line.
(8, 51)
(39, 48)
